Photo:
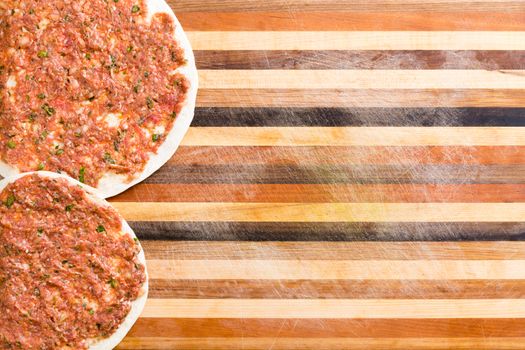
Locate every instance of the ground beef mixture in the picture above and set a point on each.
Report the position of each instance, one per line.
(86, 87)
(67, 272)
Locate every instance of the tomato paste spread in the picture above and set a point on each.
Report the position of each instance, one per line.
(67, 271)
(87, 87)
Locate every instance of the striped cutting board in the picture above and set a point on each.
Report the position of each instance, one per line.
(354, 179)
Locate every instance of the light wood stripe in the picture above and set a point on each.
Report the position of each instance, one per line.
(365, 79)
(360, 98)
(348, 5)
(335, 308)
(338, 270)
(362, 21)
(282, 343)
(188, 250)
(323, 212)
(322, 155)
(271, 193)
(355, 136)
(362, 40)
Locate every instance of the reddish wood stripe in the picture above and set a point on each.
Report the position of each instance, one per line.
(360, 98)
(279, 343)
(182, 250)
(318, 155)
(339, 289)
(301, 193)
(365, 21)
(326, 328)
(348, 5)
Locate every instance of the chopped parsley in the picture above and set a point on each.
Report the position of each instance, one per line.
(101, 228)
(149, 102)
(40, 166)
(11, 144)
(108, 158)
(48, 109)
(155, 137)
(39, 232)
(42, 54)
(69, 207)
(81, 174)
(10, 201)
(41, 96)
(112, 282)
(135, 9)
(59, 152)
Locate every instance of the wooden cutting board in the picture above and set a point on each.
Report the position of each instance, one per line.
(354, 179)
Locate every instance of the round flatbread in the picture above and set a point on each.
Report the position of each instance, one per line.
(72, 272)
(103, 91)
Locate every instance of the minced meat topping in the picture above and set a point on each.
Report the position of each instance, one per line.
(86, 87)
(67, 271)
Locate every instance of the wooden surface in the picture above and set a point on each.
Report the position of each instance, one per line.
(354, 179)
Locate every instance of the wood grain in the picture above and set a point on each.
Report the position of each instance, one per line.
(347, 5)
(369, 59)
(322, 212)
(505, 343)
(338, 270)
(347, 20)
(339, 155)
(366, 79)
(362, 250)
(329, 328)
(355, 136)
(353, 179)
(323, 193)
(378, 232)
(340, 308)
(357, 40)
(349, 98)
(336, 289)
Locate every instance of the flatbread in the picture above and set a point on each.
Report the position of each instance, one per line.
(136, 306)
(112, 183)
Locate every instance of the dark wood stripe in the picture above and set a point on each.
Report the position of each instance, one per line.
(360, 116)
(340, 174)
(238, 250)
(317, 155)
(361, 98)
(327, 328)
(267, 193)
(347, 5)
(335, 232)
(422, 59)
(346, 20)
(337, 289)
